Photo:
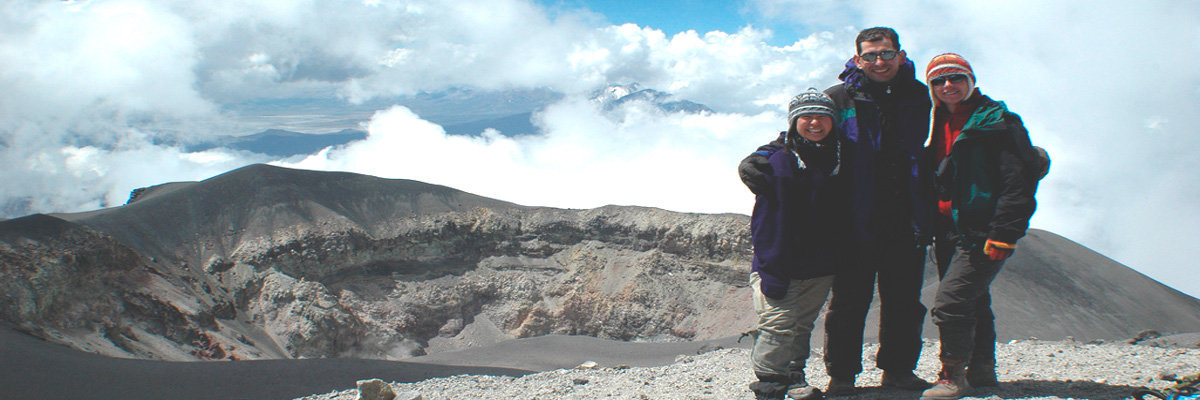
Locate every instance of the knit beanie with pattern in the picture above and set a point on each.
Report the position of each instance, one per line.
(812, 101)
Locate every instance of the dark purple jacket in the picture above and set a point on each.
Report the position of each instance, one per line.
(885, 127)
(799, 228)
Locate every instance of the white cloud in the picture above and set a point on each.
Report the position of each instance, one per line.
(85, 178)
(133, 56)
(116, 75)
(519, 47)
(633, 155)
(85, 86)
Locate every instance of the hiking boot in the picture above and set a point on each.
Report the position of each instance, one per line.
(802, 391)
(952, 383)
(766, 390)
(982, 376)
(904, 380)
(840, 387)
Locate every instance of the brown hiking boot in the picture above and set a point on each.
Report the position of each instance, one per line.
(982, 376)
(802, 391)
(952, 383)
(904, 380)
(840, 386)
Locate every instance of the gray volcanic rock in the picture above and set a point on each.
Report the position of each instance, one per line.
(65, 290)
(70, 284)
(269, 262)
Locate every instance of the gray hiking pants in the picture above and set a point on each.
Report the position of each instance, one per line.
(785, 325)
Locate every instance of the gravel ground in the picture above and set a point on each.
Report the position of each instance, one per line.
(1028, 370)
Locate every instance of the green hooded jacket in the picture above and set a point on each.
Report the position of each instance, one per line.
(986, 176)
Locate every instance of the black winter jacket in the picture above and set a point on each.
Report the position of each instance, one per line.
(987, 177)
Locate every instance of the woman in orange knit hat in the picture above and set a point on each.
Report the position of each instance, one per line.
(985, 188)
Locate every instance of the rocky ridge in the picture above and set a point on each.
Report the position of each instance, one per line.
(269, 262)
(266, 262)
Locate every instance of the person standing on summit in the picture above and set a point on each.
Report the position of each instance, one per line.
(800, 239)
(986, 181)
(884, 122)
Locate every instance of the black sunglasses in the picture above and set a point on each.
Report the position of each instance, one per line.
(886, 55)
(941, 80)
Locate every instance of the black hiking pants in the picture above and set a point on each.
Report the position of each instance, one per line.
(945, 246)
(898, 266)
(962, 308)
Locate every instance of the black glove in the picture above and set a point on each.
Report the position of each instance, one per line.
(754, 170)
(922, 240)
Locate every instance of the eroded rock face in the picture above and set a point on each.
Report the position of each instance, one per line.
(57, 274)
(68, 283)
(304, 317)
(379, 274)
(517, 288)
(520, 272)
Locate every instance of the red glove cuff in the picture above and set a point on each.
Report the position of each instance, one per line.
(997, 250)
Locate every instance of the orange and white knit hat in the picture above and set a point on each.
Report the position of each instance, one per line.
(950, 64)
(944, 65)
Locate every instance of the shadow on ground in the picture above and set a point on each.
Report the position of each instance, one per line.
(31, 368)
(1021, 389)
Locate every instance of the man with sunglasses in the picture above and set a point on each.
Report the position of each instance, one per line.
(884, 124)
(986, 186)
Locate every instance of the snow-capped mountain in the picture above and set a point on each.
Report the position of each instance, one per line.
(616, 95)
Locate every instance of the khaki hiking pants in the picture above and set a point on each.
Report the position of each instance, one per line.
(785, 325)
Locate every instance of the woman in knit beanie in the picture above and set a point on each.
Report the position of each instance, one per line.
(985, 201)
(799, 229)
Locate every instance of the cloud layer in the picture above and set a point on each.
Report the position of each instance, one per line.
(96, 92)
(634, 155)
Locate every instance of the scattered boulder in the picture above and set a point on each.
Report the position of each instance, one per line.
(375, 389)
(1144, 336)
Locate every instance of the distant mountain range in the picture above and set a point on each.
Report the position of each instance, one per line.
(459, 111)
(281, 143)
(269, 262)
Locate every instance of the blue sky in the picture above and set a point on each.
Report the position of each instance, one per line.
(672, 17)
(96, 91)
(669, 16)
